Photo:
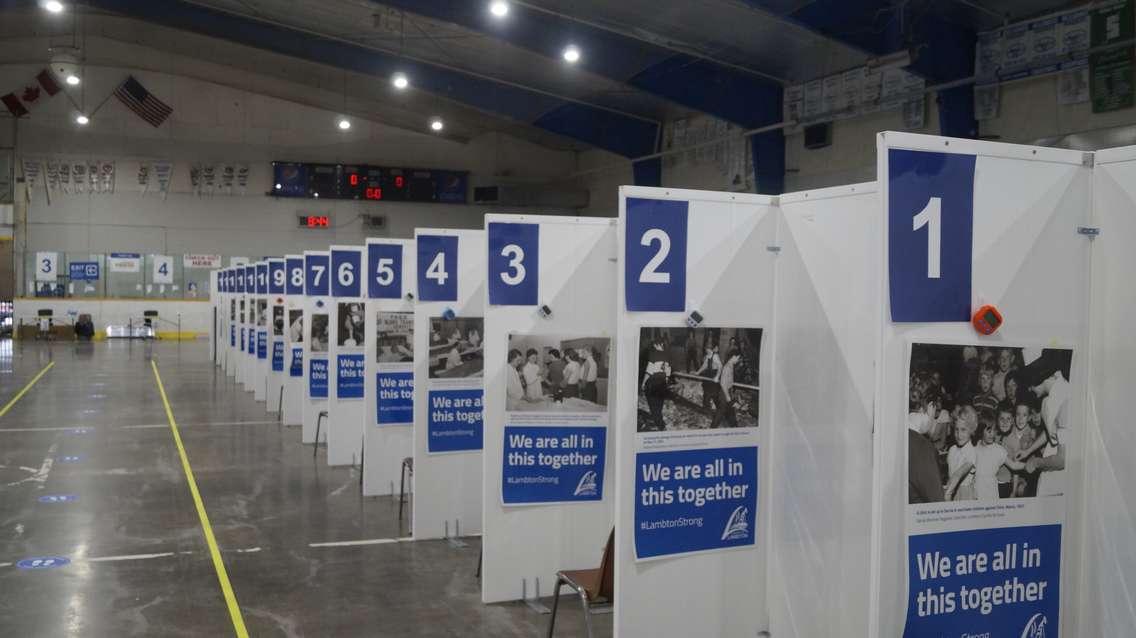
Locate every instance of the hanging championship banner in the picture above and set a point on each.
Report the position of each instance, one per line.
(163, 172)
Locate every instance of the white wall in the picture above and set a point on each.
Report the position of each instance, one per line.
(195, 315)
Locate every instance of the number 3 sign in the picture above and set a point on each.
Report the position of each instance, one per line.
(930, 235)
(655, 246)
(514, 264)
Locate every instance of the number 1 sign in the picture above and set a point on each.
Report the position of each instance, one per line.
(655, 273)
(930, 235)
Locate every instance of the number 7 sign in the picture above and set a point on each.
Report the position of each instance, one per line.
(930, 235)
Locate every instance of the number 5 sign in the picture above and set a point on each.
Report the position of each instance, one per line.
(930, 235)
(437, 268)
(655, 246)
(514, 264)
(384, 268)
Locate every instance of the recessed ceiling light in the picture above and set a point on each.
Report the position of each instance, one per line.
(400, 81)
(82, 120)
(572, 54)
(436, 124)
(53, 6)
(73, 79)
(499, 8)
(344, 124)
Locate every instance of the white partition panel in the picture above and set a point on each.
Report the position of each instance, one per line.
(317, 308)
(388, 430)
(214, 293)
(1109, 576)
(448, 385)
(294, 389)
(277, 322)
(556, 510)
(346, 345)
(261, 329)
(248, 328)
(691, 478)
(967, 224)
(821, 444)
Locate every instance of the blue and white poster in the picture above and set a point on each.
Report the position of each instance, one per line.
(553, 464)
(349, 376)
(990, 429)
(930, 235)
(454, 420)
(655, 274)
(514, 264)
(262, 344)
(396, 398)
(296, 368)
(317, 378)
(694, 500)
(455, 384)
(277, 356)
(395, 381)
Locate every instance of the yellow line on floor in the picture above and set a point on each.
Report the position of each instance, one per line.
(210, 540)
(24, 391)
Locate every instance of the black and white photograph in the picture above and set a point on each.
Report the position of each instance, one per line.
(395, 331)
(557, 374)
(278, 320)
(232, 310)
(455, 347)
(698, 378)
(241, 315)
(351, 324)
(296, 325)
(986, 422)
(261, 313)
(319, 332)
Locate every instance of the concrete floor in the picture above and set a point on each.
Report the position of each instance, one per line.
(139, 561)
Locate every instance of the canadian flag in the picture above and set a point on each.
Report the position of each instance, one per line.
(19, 102)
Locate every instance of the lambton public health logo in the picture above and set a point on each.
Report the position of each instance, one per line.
(1035, 628)
(737, 527)
(587, 484)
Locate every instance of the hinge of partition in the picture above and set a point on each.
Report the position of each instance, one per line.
(1088, 160)
(773, 249)
(1089, 231)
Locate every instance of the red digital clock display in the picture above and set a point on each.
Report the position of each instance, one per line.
(373, 192)
(315, 221)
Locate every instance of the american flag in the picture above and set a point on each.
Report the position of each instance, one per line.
(138, 99)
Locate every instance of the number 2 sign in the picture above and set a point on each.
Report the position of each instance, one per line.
(513, 264)
(930, 235)
(655, 246)
(437, 267)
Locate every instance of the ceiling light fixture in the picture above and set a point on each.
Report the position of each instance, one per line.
(53, 6)
(400, 81)
(344, 124)
(436, 124)
(82, 120)
(499, 8)
(571, 54)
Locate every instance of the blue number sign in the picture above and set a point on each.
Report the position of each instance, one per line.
(437, 267)
(655, 272)
(930, 235)
(345, 264)
(514, 264)
(315, 275)
(384, 271)
(276, 277)
(295, 283)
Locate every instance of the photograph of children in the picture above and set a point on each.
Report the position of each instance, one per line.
(261, 313)
(278, 320)
(319, 332)
(351, 322)
(296, 325)
(557, 374)
(698, 378)
(455, 347)
(986, 422)
(395, 337)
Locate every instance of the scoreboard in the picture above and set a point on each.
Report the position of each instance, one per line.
(365, 182)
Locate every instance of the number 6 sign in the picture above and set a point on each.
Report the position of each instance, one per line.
(514, 264)
(655, 246)
(345, 266)
(930, 235)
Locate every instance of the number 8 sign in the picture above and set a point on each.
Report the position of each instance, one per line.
(655, 245)
(514, 264)
(930, 235)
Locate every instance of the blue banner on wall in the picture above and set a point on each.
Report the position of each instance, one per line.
(396, 398)
(553, 464)
(1001, 582)
(349, 376)
(262, 344)
(277, 356)
(296, 369)
(694, 500)
(84, 270)
(454, 420)
(317, 378)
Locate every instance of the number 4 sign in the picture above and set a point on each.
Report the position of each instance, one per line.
(655, 246)
(163, 269)
(930, 235)
(437, 268)
(514, 264)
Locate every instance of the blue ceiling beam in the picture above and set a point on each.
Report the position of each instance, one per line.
(622, 134)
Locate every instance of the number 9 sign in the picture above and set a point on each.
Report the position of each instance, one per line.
(514, 265)
(930, 235)
(655, 246)
(345, 263)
